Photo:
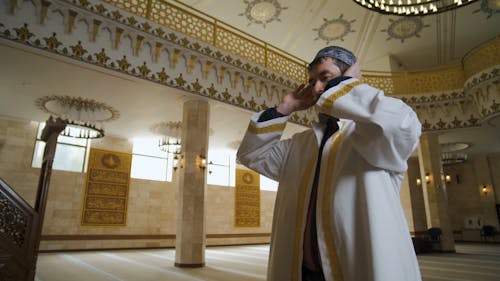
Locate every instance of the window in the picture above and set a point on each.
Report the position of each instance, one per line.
(149, 162)
(268, 184)
(71, 153)
(221, 168)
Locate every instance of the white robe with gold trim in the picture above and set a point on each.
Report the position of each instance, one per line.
(362, 231)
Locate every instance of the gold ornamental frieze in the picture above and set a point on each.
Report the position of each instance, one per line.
(444, 111)
(486, 97)
(97, 33)
(482, 68)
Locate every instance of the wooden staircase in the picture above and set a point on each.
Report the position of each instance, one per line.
(18, 224)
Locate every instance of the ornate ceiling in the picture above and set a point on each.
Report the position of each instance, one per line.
(382, 42)
(124, 51)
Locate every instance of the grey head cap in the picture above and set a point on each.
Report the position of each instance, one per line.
(338, 53)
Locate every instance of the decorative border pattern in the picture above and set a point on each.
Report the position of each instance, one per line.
(205, 29)
(230, 72)
(13, 222)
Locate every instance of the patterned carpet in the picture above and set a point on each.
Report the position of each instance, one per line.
(472, 262)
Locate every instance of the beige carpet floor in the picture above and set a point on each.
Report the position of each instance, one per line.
(471, 262)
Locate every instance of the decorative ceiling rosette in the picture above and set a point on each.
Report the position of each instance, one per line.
(83, 117)
(262, 11)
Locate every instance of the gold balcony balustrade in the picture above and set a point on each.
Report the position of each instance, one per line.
(196, 24)
(199, 25)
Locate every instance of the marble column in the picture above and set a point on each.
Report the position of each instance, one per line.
(434, 190)
(412, 199)
(484, 185)
(190, 229)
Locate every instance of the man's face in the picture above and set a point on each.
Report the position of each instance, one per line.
(321, 73)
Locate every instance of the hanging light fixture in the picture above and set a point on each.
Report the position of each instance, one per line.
(452, 153)
(170, 136)
(170, 145)
(412, 7)
(449, 158)
(83, 117)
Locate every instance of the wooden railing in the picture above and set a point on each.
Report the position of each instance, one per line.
(18, 223)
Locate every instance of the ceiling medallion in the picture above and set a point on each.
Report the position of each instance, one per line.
(454, 146)
(412, 8)
(262, 11)
(335, 29)
(404, 28)
(486, 7)
(83, 117)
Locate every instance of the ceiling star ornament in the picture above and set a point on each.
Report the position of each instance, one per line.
(404, 28)
(335, 29)
(170, 136)
(412, 8)
(488, 7)
(83, 117)
(262, 11)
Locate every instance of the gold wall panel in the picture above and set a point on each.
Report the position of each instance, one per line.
(104, 218)
(106, 189)
(482, 57)
(247, 199)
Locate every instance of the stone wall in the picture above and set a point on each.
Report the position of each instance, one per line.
(469, 206)
(152, 205)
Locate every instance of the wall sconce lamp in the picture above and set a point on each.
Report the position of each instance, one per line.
(419, 182)
(178, 162)
(209, 164)
(485, 190)
(202, 162)
(447, 178)
(427, 178)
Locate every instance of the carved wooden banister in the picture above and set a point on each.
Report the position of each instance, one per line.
(18, 223)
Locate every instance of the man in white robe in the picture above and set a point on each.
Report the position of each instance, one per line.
(339, 191)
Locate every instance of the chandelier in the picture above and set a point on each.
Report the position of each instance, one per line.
(453, 158)
(83, 117)
(170, 145)
(451, 153)
(170, 140)
(412, 7)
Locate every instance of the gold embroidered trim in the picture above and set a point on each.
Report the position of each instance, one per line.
(328, 104)
(265, 130)
(299, 217)
(326, 212)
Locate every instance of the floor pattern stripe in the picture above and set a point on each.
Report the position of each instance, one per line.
(471, 262)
